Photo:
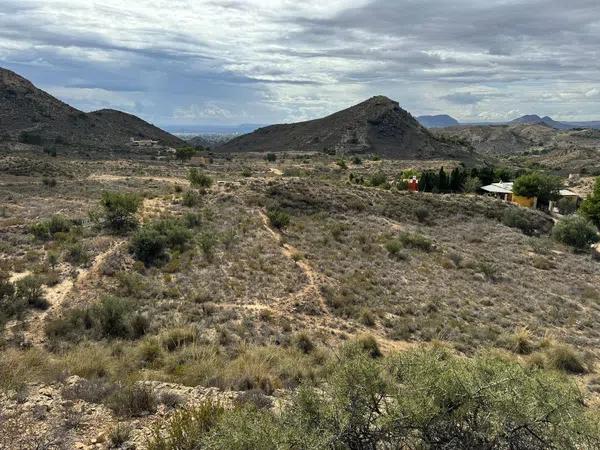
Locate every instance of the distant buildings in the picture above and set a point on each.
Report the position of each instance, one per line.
(504, 191)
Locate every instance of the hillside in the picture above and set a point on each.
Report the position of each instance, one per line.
(534, 119)
(377, 125)
(438, 121)
(32, 115)
(500, 139)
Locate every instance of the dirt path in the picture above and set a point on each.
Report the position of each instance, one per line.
(312, 287)
(112, 178)
(56, 296)
(325, 321)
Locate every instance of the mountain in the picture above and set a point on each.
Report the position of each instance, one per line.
(439, 121)
(377, 125)
(533, 119)
(32, 115)
(501, 139)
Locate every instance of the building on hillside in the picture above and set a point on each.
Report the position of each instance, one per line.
(504, 191)
(413, 184)
(142, 142)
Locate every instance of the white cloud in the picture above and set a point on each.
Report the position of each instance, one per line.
(288, 60)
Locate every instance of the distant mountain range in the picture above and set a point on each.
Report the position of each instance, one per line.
(537, 120)
(377, 125)
(444, 120)
(212, 129)
(33, 116)
(439, 121)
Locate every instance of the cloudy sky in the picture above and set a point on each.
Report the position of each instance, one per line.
(265, 61)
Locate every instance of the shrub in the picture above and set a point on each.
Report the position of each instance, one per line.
(111, 316)
(30, 291)
(416, 240)
(472, 185)
(207, 243)
(148, 245)
(576, 232)
(191, 199)
(342, 164)
(185, 153)
(567, 206)
(119, 435)
(199, 179)
(377, 179)
(120, 209)
(271, 157)
(565, 358)
(246, 172)
(77, 254)
(187, 428)
(356, 160)
(422, 213)
(304, 343)
(590, 208)
(415, 399)
(520, 218)
(47, 229)
(132, 401)
(394, 247)
(278, 218)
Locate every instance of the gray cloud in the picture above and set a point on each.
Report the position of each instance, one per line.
(278, 60)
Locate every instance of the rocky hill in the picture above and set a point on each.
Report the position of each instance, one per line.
(377, 125)
(34, 116)
(438, 121)
(500, 139)
(533, 119)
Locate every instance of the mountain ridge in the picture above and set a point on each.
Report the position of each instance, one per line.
(31, 114)
(377, 125)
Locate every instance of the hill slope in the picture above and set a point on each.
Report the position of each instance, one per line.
(45, 119)
(533, 119)
(377, 125)
(501, 139)
(439, 121)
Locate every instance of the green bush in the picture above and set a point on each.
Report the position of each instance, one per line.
(278, 218)
(421, 399)
(47, 229)
(422, 213)
(148, 245)
(191, 199)
(120, 209)
(416, 240)
(377, 179)
(111, 318)
(132, 401)
(521, 218)
(565, 358)
(77, 254)
(576, 232)
(185, 153)
(199, 179)
(31, 292)
(150, 242)
(590, 208)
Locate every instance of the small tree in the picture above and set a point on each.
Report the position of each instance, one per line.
(199, 179)
(544, 187)
(185, 153)
(591, 205)
(120, 209)
(575, 231)
(472, 185)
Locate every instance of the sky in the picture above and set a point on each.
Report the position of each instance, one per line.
(225, 62)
